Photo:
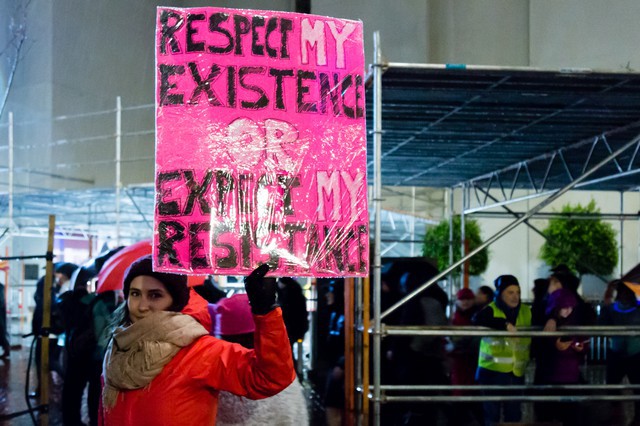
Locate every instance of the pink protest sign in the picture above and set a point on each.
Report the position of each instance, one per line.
(260, 143)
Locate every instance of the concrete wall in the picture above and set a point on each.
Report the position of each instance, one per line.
(485, 32)
(441, 31)
(82, 55)
(403, 25)
(585, 33)
(541, 33)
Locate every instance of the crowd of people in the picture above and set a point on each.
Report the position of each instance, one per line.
(159, 340)
(493, 363)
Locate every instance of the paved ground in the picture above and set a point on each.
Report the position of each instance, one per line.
(12, 389)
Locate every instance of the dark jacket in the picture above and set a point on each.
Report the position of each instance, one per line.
(620, 315)
(294, 309)
(562, 366)
(485, 318)
(464, 345)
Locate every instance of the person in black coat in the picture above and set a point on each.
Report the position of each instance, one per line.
(420, 360)
(80, 343)
(4, 341)
(210, 291)
(63, 272)
(294, 308)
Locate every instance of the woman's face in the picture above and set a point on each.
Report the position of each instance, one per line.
(464, 304)
(147, 295)
(565, 312)
(511, 296)
(481, 299)
(330, 297)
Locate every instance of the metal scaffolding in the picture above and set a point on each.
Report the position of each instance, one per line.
(115, 207)
(582, 152)
(608, 154)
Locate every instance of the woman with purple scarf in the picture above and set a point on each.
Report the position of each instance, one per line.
(565, 354)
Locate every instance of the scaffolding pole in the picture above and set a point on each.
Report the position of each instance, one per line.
(621, 233)
(511, 392)
(463, 240)
(469, 331)
(11, 170)
(450, 277)
(9, 214)
(377, 193)
(479, 388)
(366, 293)
(118, 165)
(46, 325)
(349, 352)
(512, 397)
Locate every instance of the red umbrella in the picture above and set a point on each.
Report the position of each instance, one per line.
(112, 272)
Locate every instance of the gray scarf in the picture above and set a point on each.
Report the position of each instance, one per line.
(139, 352)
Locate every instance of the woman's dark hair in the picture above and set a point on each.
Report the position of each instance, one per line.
(487, 291)
(410, 281)
(121, 314)
(625, 295)
(174, 284)
(540, 287)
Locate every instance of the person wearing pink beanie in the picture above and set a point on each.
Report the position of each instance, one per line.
(232, 316)
(233, 322)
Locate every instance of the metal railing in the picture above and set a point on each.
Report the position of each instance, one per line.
(527, 392)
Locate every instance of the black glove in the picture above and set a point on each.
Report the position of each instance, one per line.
(261, 291)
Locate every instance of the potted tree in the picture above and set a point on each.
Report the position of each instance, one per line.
(587, 246)
(436, 245)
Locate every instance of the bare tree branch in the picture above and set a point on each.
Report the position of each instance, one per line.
(8, 45)
(19, 31)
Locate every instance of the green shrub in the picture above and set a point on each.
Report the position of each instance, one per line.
(436, 245)
(587, 246)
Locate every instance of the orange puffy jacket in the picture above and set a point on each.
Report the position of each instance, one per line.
(186, 391)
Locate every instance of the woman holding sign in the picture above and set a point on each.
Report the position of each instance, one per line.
(163, 368)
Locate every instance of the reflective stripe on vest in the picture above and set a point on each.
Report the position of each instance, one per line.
(507, 354)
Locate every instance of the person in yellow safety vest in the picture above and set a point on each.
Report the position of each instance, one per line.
(503, 360)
